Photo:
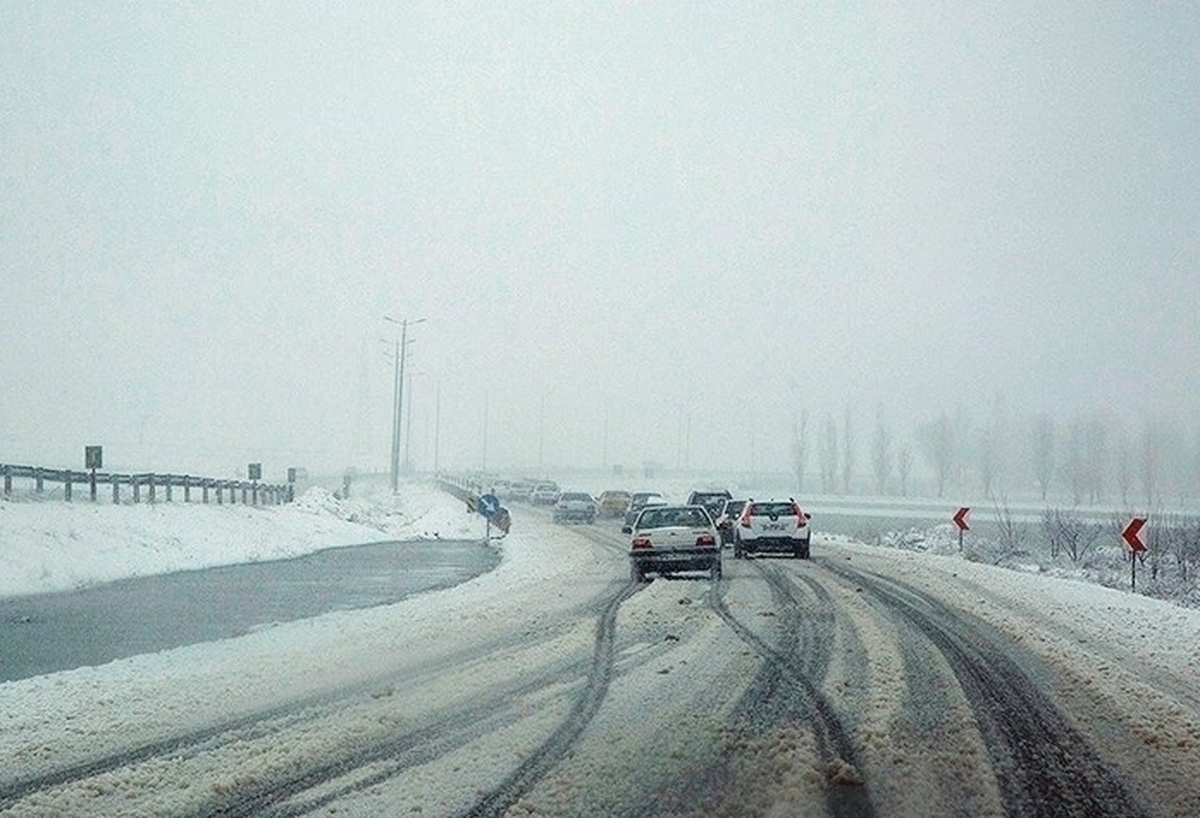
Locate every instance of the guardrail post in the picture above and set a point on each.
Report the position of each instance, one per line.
(152, 481)
(67, 485)
(169, 480)
(8, 481)
(38, 481)
(137, 488)
(116, 483)
(243, 494)
(204, 490)
(187, 488)
(219, 488)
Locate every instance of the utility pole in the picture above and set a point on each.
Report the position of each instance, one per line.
(408, 429)
(401, 350)
(394, 472)
(437, 429)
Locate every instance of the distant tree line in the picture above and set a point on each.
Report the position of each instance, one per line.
(1088, 459)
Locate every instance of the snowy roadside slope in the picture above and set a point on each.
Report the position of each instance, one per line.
(57, 546)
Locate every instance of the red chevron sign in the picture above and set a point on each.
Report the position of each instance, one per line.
(960, 519)
(1132, 535)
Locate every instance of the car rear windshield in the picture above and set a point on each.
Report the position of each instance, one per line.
(665, 517)
(773, 510)
(575, 495)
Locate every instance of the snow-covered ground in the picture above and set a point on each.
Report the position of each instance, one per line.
(58, 546)
(1121, 646)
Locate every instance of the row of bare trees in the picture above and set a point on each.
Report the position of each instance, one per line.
(1088, 459)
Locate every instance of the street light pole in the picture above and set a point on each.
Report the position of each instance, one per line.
(394, 473)
(401, 349)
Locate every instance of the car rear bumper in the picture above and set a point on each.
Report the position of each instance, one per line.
(675, 559)
(773, 545)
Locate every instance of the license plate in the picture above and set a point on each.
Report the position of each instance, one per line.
(772, 526)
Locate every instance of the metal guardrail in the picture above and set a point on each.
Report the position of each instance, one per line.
(147, 486)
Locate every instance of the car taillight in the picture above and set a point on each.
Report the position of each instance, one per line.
(641, 542)
(744, 521)
(801, 520)
(706, 539)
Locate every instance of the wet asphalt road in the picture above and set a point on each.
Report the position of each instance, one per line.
(47, 633)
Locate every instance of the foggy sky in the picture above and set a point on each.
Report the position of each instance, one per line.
(678, 223)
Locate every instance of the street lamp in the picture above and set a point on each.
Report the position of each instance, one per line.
(401, 348)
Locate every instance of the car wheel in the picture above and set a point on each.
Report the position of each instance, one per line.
(715, 571)
(635, 572)
(803, 552)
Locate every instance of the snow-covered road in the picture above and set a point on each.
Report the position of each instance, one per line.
(862, 682)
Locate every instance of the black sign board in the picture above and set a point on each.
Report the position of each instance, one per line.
(256, 471)
(93, 457)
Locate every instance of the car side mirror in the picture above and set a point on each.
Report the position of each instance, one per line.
(626, 529)
(807, 516)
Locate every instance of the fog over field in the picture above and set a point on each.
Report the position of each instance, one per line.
(672, 233)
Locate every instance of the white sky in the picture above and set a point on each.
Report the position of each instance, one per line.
(634, 211)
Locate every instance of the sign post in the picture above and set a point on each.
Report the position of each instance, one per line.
(1132, 535)
(93, 458)
(960, 520)
(488, 505)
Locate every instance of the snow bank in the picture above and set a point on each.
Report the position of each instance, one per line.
(56, 546)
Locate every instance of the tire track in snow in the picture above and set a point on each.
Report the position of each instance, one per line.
(787, 686)
(497, 802)
(1044, 766)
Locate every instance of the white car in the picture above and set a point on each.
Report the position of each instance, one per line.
(544, 493)
(779, 526)
(575, 506)
(666, 539)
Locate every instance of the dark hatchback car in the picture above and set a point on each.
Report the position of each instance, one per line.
(712, 501)
(727, 519)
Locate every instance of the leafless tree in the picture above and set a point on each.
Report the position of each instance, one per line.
(904, 464)
(847, 451)
(800, 448)
(1075, 463)
(828, 454)
(1068, 531)
(881, 453)
(1011, 532)
(1043, 452)
(1151, 460)
(1095, 456)
(937, 442)
(1123, 466)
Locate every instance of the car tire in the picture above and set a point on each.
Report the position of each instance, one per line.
(714, 572)
(635, 572)
(803, 551)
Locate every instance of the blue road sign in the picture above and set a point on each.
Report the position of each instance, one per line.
(489, 505)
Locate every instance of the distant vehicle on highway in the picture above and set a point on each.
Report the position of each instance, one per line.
(711, 500)
(779, 526)
(639, 500)
(544, 493)
(668, 539)
(519, 491)
(612, 503)
(727, 519)
(575, 507)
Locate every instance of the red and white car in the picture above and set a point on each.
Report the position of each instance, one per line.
(778, 526)
(667, 539)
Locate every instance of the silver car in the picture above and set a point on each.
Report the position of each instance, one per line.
(668, 539)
